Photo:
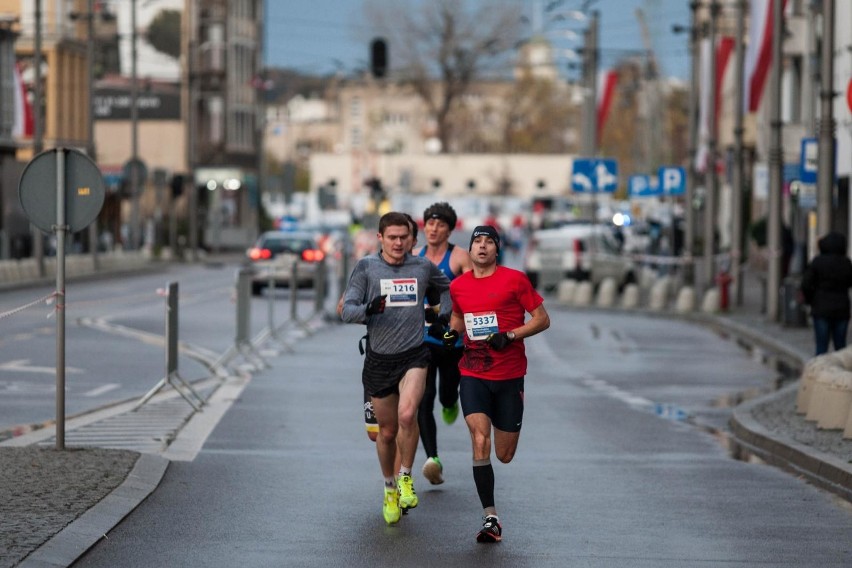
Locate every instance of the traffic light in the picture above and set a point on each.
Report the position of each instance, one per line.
(378, 57)
(328, 195)
(177, 185)
(203, 196)
(377, 192)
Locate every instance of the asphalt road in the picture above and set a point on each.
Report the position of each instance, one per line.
(104, 366)
(620, 464)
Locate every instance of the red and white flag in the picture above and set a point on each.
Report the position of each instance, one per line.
(607, 80)
(710, 92)
(23, 126)
(758, 55)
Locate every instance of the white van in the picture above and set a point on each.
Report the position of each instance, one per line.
(578, 251)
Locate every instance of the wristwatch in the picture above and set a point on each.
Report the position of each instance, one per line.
(510, 335)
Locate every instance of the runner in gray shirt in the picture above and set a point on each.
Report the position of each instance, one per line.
(386, 291)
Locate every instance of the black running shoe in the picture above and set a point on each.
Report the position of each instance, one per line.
(491, 530)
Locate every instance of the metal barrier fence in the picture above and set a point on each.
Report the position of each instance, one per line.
(172, 377)
(243, 344)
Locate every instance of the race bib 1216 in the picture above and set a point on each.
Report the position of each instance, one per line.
(399, 291)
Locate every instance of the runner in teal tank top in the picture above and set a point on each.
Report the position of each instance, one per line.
(439, 221)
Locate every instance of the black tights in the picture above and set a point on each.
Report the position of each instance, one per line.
(445, 362)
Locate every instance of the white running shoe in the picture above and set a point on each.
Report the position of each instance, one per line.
(433, 470)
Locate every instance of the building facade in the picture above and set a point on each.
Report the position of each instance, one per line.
(223, 77)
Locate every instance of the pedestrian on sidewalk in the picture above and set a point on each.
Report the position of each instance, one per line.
(825, 286)
(386, 292)
(490, 304)
(439, 220)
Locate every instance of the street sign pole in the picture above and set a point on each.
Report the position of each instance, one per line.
(71, 206)
(60, 229)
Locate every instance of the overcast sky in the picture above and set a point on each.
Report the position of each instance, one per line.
(321, 36)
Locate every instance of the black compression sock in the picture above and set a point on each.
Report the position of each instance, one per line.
(483, 477)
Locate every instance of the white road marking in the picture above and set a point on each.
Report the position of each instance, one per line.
(23, 366)
(103, 389)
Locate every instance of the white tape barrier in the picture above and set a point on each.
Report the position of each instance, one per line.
(44, 299)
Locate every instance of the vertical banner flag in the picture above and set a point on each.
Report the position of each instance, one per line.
(23, 125)
(723, 57)
(607, 80)
(758, 55)
(710, 92)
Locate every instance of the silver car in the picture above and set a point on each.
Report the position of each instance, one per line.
(274, 255)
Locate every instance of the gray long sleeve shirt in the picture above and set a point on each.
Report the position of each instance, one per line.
(400, 326)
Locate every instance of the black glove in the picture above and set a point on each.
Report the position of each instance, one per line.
(498, 341)
(450, 337)
(376, 305)
(438, 327)
(431, 315)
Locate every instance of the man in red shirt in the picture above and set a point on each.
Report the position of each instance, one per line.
(490, 304)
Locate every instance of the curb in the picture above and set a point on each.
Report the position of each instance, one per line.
(821, 469)
(824, 470)
(69, 544)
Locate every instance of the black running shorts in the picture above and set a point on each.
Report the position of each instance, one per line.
(382, 373)
(501, 401)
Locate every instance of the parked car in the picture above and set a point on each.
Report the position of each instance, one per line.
(275, 253)
(579, 251)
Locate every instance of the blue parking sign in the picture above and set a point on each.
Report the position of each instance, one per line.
(642, 186)
(672, 180)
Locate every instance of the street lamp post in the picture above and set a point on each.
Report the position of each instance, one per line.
(134, 134)
(711, 191)
(738, 181)
(825, 171)
(38, 129)
(776, 163)
(692, 126)
(90, 121)
(191, 134)
(590, 71)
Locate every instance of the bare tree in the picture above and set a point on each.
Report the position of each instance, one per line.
(539, 116)
(440, 47)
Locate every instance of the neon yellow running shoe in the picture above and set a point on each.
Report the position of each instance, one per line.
(390, 508)
(407, 495)
(450, 413)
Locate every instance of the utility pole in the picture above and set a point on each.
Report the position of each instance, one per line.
(135, 170)
(191, 133)
(776, 163)
(711, 190)
(38, 129)
(651, 97)
(90, 121)
(590, 70)
(260, 93)
(691, 174)
(810, 70)
(38, 94)
(738, 181)
(826, 125)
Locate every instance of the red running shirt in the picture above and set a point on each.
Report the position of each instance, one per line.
(493, 304)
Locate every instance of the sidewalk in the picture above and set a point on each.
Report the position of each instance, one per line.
(59, 513)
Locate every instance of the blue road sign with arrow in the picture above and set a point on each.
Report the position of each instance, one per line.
(593, 175)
